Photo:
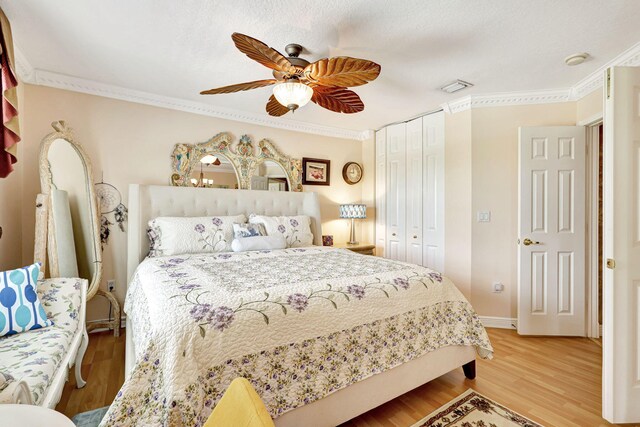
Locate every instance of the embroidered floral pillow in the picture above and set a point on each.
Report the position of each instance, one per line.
(190, 235)
(295, 229)
(20, 307)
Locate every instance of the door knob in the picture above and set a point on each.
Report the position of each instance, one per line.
(528, 242)
(415, 237)
(393, 234)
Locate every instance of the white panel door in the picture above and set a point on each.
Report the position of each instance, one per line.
(381, 176)
(414, 191)
(551, 253)
(433, 191)
(396, 187)
(621, 234)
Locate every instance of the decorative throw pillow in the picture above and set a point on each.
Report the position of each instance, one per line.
(20, 307)
(190, 235)
(295, 229)
(241, 231)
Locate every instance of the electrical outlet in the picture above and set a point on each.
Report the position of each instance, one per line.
(111, 285)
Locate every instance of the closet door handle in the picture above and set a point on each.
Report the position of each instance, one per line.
(415, 237)
(393, 234)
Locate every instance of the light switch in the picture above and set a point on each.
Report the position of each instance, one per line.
(484, 216)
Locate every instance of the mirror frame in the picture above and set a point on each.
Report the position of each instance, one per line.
(185, 157)
(62, 131)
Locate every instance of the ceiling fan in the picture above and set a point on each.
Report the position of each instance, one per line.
(297, 81)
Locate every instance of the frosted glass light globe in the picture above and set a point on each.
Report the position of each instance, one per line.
(209, 159)
(292, 95)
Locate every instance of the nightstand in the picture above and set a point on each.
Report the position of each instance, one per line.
(361, 248)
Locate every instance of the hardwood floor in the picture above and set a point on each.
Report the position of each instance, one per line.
(102, 368)
(554, 381)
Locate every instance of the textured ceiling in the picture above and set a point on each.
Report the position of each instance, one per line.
(177, 48)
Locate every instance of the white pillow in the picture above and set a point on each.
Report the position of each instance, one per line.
(295, 229)
(189, 235)
(240, 231)
(258, 243)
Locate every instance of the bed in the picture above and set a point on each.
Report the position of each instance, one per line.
(323, 334)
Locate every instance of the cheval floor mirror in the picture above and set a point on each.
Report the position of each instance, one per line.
(67, 240)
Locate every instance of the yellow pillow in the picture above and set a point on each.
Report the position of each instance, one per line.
(240, 406)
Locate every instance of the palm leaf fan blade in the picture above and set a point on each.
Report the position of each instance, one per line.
(260, 52)
(342, 71)
(239, 87)
(274, 108)
(337, 99)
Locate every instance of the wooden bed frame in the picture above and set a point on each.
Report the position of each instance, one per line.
(148, 202)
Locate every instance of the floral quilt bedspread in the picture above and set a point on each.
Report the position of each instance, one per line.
(298, 323)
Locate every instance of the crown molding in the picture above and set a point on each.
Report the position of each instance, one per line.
(591, 83)
(595, 80)
(507, 99)
(60, 81)
(23, 67)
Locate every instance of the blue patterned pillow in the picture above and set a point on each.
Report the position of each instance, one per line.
(241, 231)
(20, 307)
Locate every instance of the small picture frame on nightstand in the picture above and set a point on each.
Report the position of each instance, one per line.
(327, 240)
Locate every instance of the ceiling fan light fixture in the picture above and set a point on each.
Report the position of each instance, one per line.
(292, 95)
(208, 159)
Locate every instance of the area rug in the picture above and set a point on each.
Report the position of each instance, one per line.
(471, 409)
(89, 418)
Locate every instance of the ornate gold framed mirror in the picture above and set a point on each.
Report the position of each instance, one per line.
(203, 165)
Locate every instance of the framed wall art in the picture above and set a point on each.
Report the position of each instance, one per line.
(316, 171)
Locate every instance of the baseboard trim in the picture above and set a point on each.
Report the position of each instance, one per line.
(123, 323)
(499, 322)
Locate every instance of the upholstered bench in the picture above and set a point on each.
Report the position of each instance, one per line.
(36, 363)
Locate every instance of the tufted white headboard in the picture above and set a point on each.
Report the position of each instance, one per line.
(150, 201)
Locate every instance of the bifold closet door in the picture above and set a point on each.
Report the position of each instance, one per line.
(433, 191)
(414, 191)
(396, 187)
(381, 176)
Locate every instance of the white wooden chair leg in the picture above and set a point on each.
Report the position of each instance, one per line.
(80, 382)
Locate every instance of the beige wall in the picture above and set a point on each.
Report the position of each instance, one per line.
(131, 143)
(368, 184)
(589, 108)
(10, 220)
(11, 207)
(481, 174)
(495, 188)
(11, 216)
(457, 190)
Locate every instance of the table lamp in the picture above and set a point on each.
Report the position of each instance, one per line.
(353, 212)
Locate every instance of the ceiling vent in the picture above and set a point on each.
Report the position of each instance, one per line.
(456, 86)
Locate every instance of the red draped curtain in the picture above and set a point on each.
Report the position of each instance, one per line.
(10, 135)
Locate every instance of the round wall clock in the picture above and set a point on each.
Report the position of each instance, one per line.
(352, 173)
